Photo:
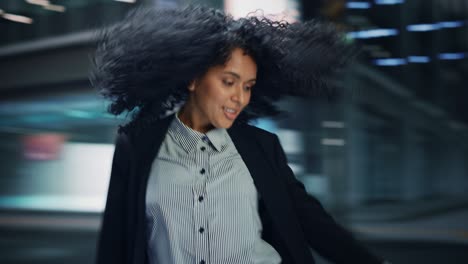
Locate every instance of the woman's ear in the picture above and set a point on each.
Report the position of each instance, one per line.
(191, 86)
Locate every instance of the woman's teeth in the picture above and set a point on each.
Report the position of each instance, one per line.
(229, 110)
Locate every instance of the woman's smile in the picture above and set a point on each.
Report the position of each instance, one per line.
(230, 113)
(218, 97)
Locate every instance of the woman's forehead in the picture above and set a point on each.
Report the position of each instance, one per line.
(241, 64)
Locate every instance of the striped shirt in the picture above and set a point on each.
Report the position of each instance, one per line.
(202, 204)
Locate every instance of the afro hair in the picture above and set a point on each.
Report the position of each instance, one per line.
(146, 61)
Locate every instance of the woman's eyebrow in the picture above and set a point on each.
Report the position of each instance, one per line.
(237, 76)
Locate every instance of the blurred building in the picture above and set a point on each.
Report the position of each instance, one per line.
(394, 128)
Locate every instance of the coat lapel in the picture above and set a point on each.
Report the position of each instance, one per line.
(272, 190)
(147, 143)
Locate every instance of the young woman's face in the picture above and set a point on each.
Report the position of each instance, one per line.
(218, 97)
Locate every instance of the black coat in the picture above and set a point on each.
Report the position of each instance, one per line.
(292, 220)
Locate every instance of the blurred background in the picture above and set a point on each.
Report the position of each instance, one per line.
(385, 149)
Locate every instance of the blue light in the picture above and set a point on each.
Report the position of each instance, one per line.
(452, 56)
(451, 24)
(435, 26)
(389, 2)
(423, 27)
(419, 59)
(390, 62)
(372, 33)
(358, 5)
(53, 203)
(80, 114)
(266, 124)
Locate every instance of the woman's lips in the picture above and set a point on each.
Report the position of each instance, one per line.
(230, 113)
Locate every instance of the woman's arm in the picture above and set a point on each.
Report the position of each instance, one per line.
(321, 231)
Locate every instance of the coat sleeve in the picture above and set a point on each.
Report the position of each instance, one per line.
(112, 241)
(321, 231)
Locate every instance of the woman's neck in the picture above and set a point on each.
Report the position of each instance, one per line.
(188, 116)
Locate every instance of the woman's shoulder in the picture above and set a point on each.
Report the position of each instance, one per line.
(139, 126)
(255, 131)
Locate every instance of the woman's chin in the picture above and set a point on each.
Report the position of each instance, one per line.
(226, 123)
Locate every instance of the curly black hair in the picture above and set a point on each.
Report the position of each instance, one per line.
(146, 61)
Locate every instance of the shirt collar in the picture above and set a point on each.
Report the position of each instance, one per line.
(189, 138)
(218, 138)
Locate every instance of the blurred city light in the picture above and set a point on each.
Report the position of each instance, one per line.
(419, 59)
(338, 142)
(80, 114)
(390, 62)
(74, 178)
(451, 24)
(267, 124)
(47, 5)
(333, 124)
(372, 33)
(56, 8)
(423, 27)
(126, 1)
(17, 18)
(38, 2)
(389, 2)
(60, 203)
(358, 5)
(452, 56)
(434, 26)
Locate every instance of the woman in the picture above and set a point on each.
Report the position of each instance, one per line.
(191, 181)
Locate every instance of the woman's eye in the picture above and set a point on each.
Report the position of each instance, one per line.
(228, 83)
(250, 87)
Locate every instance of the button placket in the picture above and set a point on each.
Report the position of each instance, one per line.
(201, 239)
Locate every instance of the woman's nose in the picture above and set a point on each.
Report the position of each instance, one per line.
(239, 96)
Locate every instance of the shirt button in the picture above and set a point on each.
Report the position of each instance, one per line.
(202, 148)
(202, 262)
(200, 198)
(201, 230)
(202, 171)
